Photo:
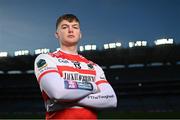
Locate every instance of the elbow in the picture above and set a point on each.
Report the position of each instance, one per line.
(110, 103)
(113, 102)
(57, 95)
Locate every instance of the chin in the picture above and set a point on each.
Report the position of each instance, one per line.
(71, 43)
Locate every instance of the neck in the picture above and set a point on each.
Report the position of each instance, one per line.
(69, 49)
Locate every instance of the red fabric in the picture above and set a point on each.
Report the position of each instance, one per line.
(71, 69)
(72, 113)
(101, 81)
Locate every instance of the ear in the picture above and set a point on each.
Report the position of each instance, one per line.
(56, 35)
(80, 35)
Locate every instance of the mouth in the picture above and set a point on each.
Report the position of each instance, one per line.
(71, 36)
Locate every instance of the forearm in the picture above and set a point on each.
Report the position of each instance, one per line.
(106, 98)
(60, 89)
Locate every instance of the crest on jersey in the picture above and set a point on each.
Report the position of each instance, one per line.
(90, 66)
(77, 64)
(41, 63)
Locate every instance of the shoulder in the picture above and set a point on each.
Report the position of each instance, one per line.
(41, 60)
(45, 62)
(43, 57)
(84, 59)
(91, 63)
(98, 68)
(48, 55)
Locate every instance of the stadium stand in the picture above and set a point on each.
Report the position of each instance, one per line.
(145, 79)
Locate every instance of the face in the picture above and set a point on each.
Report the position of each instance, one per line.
(68, 33)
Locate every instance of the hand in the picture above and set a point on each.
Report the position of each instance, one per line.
(98, 90)
(95, 88)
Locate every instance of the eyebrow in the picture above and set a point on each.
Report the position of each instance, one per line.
(68, 25)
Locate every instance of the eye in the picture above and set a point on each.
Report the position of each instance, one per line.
(76, 27)
(64, 27)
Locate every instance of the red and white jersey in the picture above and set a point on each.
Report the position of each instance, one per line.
(73, 70)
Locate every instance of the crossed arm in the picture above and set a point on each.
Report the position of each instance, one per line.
(89, 94)
(58, 88)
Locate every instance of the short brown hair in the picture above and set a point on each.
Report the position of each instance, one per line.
(68, 17)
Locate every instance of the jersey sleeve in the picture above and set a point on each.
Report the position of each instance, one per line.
(105, 98)
(44, 65)
(100, 76)
(55, 86)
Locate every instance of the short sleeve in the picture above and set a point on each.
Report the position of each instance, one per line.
(44, 64)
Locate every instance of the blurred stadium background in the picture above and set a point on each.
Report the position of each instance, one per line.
(145, 78)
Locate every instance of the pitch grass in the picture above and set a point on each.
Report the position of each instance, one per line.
(102, 115)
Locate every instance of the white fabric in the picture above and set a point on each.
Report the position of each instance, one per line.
(104, 99)
(53, 85)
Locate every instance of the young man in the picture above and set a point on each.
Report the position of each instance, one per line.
(72, 86)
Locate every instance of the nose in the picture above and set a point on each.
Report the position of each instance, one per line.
(70, 30)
